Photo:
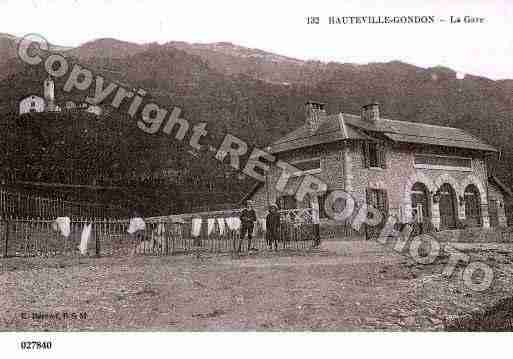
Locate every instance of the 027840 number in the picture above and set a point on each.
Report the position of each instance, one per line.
(35, 345)
(313, 20)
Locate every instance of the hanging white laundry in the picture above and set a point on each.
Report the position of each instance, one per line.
(159, 235)
(84, 238)
(161, 229)
(262, 222)
(236, 223)
(220, 223)
(314, 204)
(196, 227)
(62, 224)
(210, 225)
(255, 229)
(136, 224)
(233, 223)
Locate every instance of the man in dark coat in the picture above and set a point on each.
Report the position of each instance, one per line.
(247, 219)
(273, 227)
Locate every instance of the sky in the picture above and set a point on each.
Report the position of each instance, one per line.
(484, 49)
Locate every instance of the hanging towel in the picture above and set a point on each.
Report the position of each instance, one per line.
(233, 223)
(196, 227)
(84, 239)
(210, 225)
(136, 224)
(262, 224)
(161, 229)
(314, 204)
(159, 236)
(62, 224)
(220, 223)
(236, 223)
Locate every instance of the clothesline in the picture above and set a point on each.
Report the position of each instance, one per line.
(213, 226)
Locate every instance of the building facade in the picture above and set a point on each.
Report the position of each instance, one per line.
(438, 173)
(32, 104)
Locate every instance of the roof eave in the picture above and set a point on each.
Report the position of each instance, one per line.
(501, 185)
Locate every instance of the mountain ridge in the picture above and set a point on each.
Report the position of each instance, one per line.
(259, 96)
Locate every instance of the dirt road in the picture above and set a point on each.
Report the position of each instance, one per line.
(345, 286)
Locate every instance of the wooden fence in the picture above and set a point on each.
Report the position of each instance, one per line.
(17, 204)
(109, 237)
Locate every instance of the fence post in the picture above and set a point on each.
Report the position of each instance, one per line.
(96, 239)
(6, 252)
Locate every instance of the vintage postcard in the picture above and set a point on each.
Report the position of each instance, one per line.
(262, 167)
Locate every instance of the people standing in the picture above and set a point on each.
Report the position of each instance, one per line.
(247, 219)
(415, 223)
(414, 216)
(136, 229)
(316, 223)
(273, 227)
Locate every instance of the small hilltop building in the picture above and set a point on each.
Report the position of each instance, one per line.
(34, 103)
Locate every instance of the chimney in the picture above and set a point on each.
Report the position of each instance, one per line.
(370, 112)
(315, 113)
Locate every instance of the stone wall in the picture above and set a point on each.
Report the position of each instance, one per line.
(332, 173)
(475, 235)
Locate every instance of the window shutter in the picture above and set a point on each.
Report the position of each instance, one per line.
(367, 202)
(370, 197)
(385, 201)
(382, 157)
(366, 157)
(322, 204)
(363, 155)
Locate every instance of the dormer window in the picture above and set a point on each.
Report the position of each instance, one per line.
(370, 112)
(308, 166)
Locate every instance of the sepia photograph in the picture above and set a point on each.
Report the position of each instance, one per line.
(268, 168)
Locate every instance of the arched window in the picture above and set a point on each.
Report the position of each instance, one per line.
(420, 201)
(448, 207)
(473, 206)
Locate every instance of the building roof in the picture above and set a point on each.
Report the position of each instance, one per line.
(349, 127)
(505, 189)
(331, 129)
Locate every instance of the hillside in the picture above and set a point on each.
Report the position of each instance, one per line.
(9, 52)
(259, 96)
(108, 47)
(233, 60)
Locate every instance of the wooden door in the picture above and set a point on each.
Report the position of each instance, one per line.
(494, 213)
(447, 207)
